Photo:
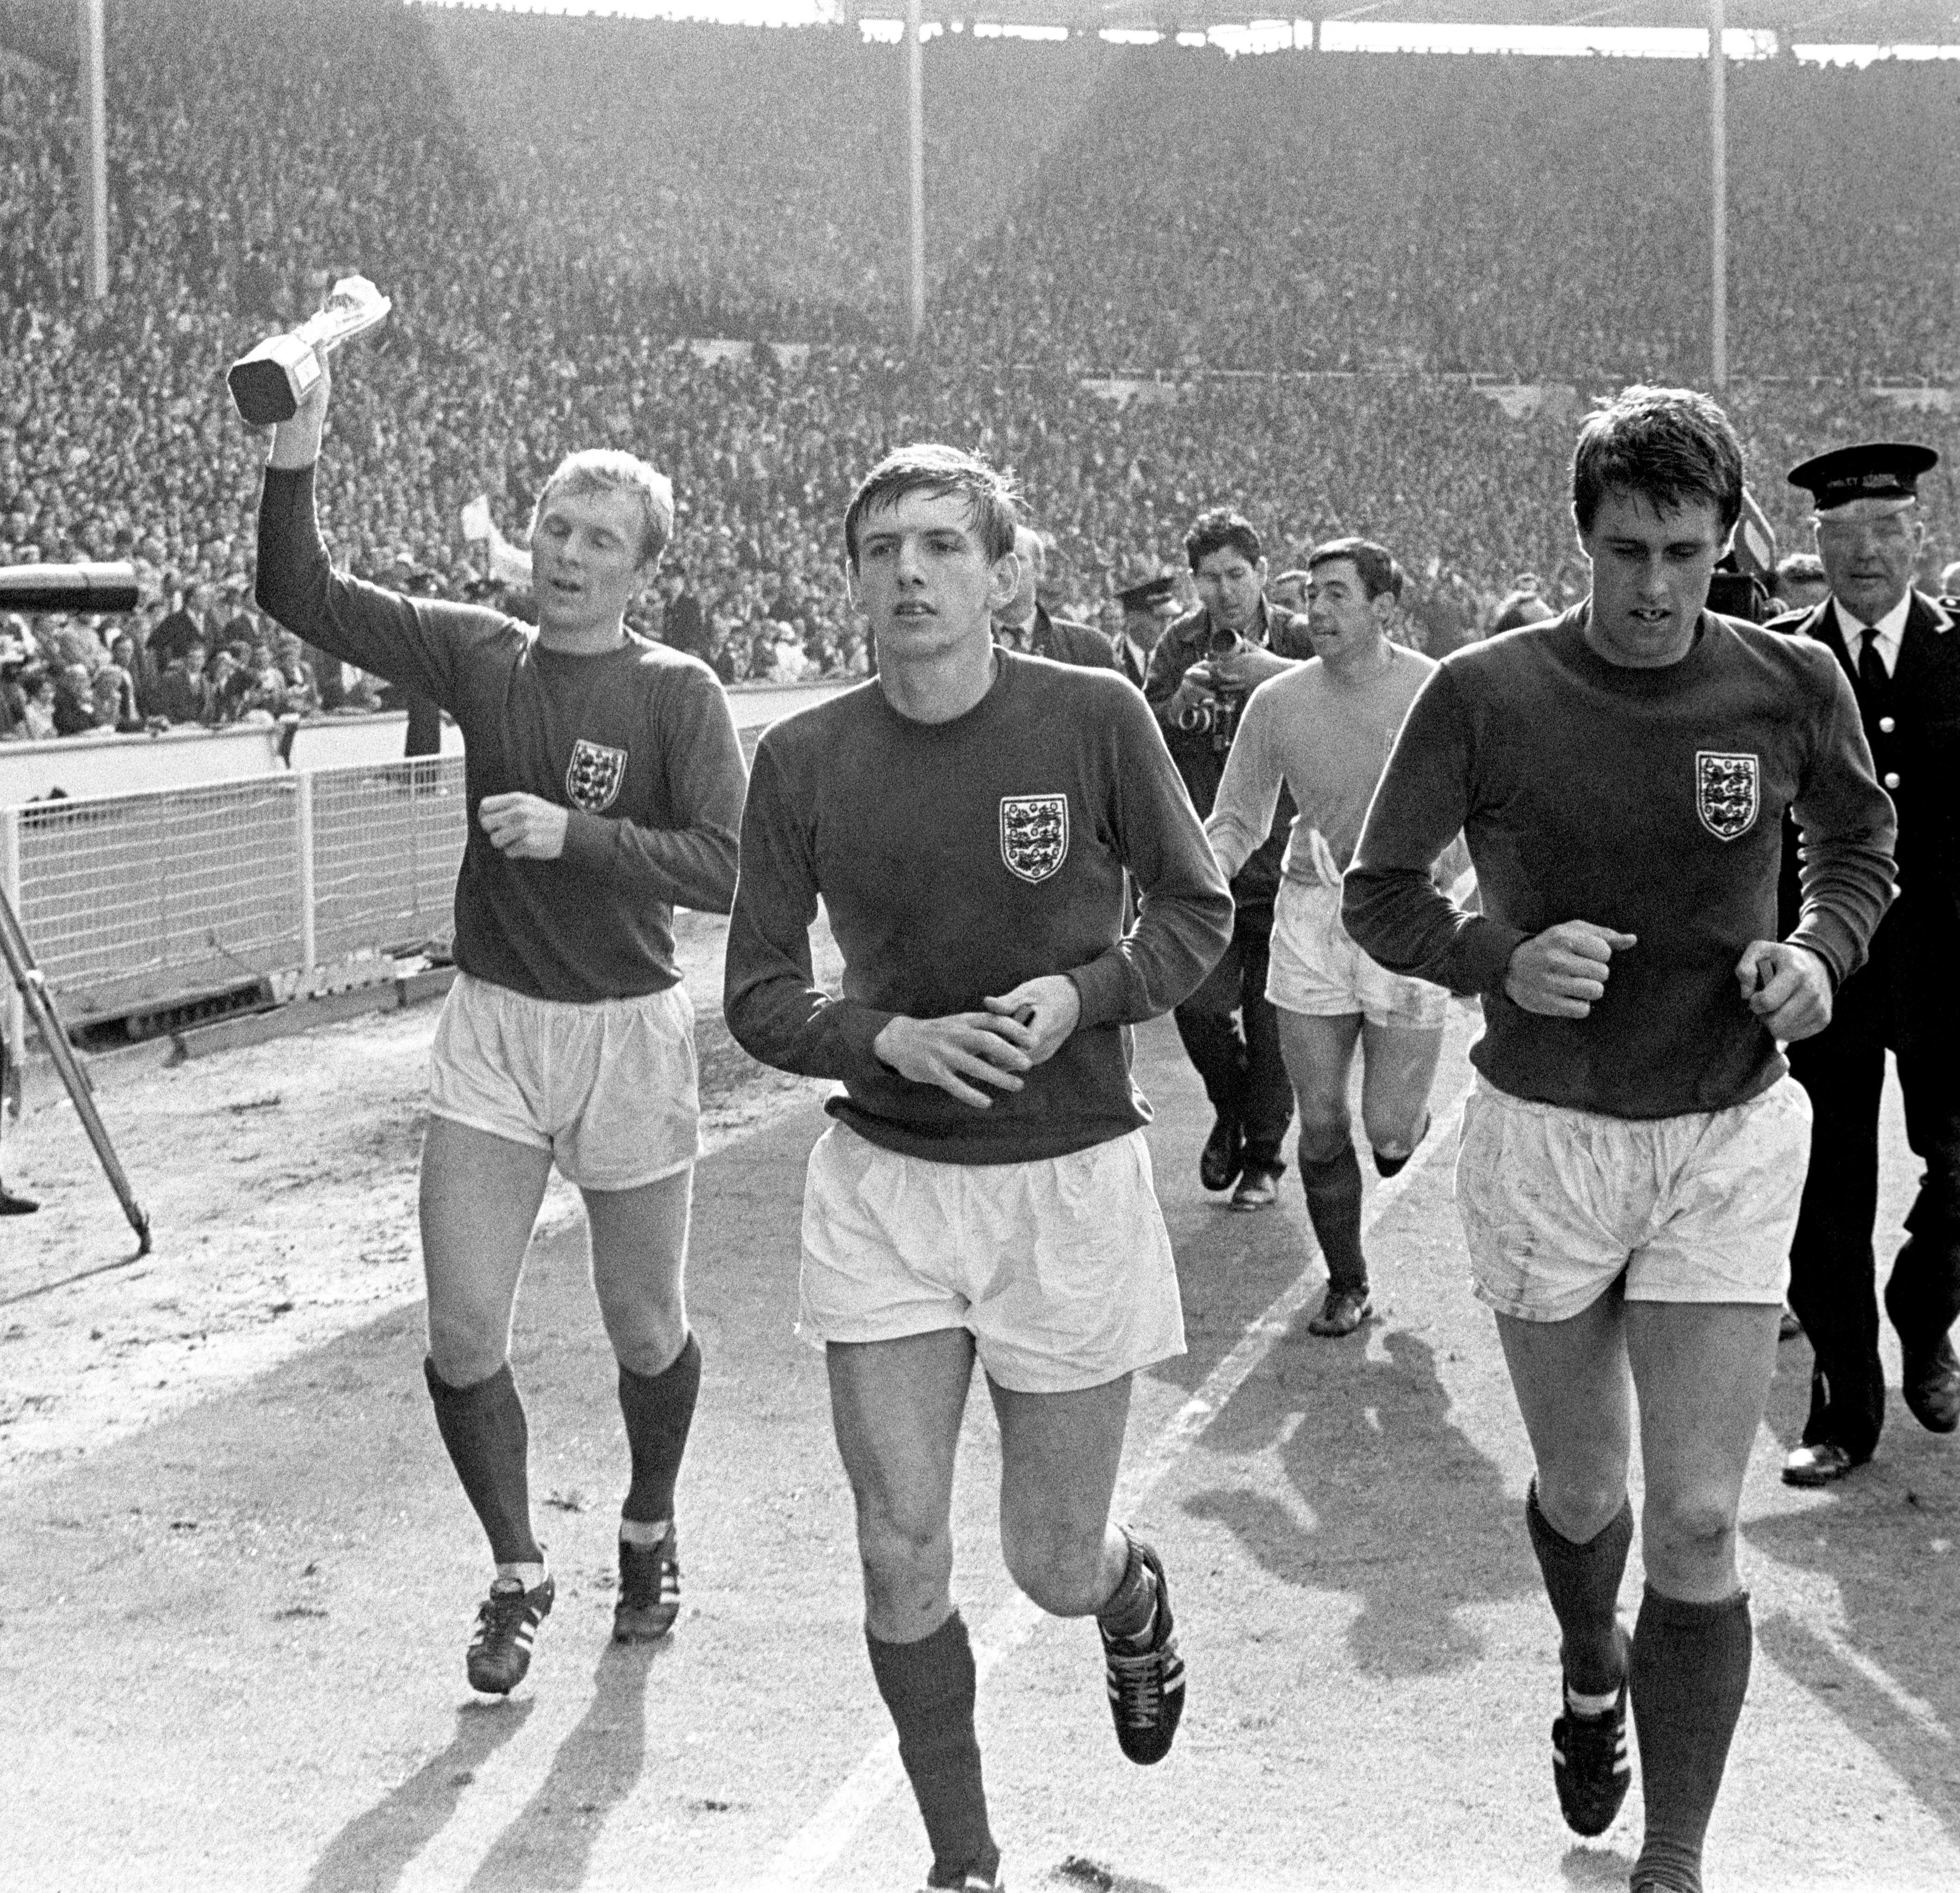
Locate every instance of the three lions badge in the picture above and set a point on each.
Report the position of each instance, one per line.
(594, 776)
(1728, 792)
(1034, 834)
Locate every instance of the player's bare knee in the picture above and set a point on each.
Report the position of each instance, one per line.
(652, 1350)
(463, 1353)
(1392, 1133)
(1580, 1502)
(1695, 1528)
(1061, 1572)
(648, 1332)
(1324, 1132)
(899, 1550)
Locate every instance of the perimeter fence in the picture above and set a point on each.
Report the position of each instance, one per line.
(136, 903)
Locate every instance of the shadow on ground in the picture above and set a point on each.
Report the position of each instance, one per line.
(370, 1854)
(1376, 1467)
(596, 1766)
(1888, 1537)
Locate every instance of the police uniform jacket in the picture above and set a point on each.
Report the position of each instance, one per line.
(1067, 642)
(1912, 725)
(1199, 762)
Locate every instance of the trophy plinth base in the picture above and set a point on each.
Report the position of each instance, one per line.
(268, 385)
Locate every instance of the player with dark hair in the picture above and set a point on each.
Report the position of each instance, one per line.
(971, 819)
(604, 784)
(1320, 734)
(1208, 663)
(1633, 1154)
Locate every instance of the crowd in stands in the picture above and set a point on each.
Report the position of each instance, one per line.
(1292, 265)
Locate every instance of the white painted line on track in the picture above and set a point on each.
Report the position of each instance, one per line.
(815, 1846)
(1915, 1711)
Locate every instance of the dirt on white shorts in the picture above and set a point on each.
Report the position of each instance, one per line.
(609, 1088)
(1556, 1203)
(1315, 968)
(1060, 1268)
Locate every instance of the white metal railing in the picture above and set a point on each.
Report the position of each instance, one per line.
(135, 902)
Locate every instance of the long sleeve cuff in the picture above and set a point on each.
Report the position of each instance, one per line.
(1103, 986)
(1827, 937)
(1483, 955)
(588, 840)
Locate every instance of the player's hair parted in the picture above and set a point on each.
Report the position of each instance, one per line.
(1376, 564)
(1216, 530)
(993, 501)
(607, 470)
(1669, 446)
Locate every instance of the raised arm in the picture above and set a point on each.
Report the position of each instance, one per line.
(406, 640)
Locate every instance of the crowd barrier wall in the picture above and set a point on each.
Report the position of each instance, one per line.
(105, 763)
(300, 877)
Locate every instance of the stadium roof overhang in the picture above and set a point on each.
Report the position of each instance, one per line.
(1864, 22)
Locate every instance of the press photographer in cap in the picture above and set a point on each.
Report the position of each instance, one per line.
(1900, 648)
(1209, 661)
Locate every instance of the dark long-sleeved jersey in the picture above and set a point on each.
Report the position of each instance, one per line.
(637, 743)
(956, 860)
(1651, 801)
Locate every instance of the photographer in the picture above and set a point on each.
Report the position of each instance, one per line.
(1209, 662)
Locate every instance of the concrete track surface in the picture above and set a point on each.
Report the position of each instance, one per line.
(231, 1643)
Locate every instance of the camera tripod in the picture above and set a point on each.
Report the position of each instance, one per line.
(35, 997)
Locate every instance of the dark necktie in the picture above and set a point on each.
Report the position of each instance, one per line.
(1872, 674)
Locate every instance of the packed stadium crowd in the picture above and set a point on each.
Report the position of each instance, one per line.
(1294, 336)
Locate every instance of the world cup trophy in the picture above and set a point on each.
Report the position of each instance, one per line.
(268, 385)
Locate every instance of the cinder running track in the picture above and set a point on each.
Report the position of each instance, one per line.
(230, 1646)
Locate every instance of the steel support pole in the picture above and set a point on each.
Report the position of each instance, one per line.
(13, 1019)
(303, 841)
(1718, 178)
(915, 165)
(94, 152)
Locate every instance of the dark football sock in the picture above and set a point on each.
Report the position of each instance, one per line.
(1131, 1610)
(658, 1409)
(1690, 1671)
(483, 1427)
(1334, 1207)
(929, 1687)
(1583, 1582)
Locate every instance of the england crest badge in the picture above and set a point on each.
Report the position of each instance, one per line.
(594, 776)
(1728, 793)
(1034, 834)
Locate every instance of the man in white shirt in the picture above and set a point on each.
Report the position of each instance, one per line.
(1322, 730)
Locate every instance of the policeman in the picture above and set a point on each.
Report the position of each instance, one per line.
(1148, 608)
(1901, 648)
